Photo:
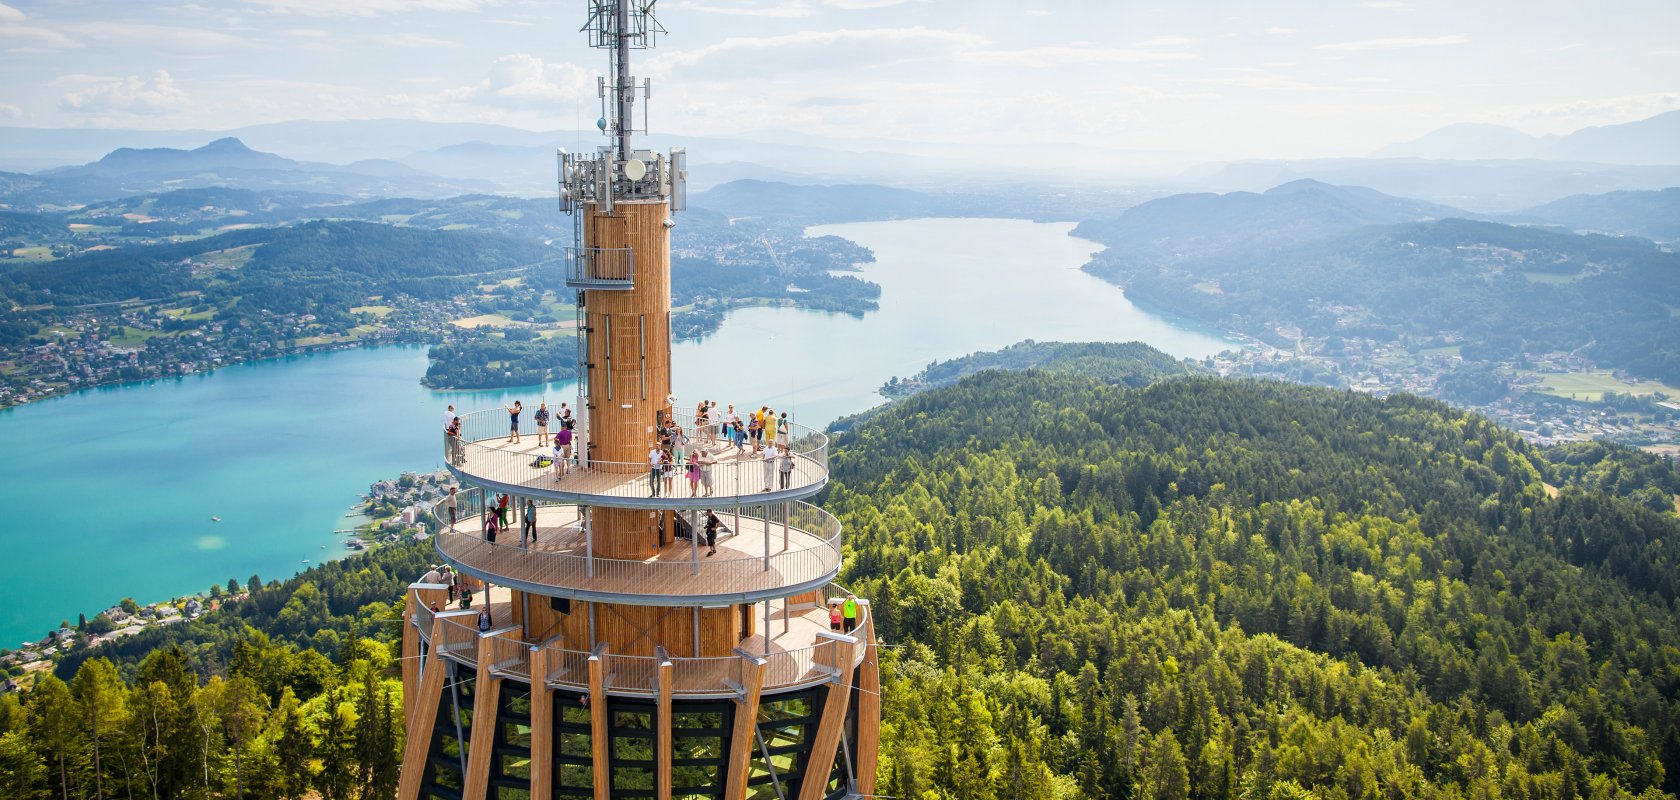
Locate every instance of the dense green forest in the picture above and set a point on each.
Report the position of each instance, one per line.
(517, 357)
(1127, 363)
(1212, 588)
(291, 692)
(1199, 588)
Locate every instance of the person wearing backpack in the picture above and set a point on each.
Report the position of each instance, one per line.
(542, 423)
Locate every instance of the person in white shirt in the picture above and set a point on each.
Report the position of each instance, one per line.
(656, 463)
(769, 456)
(450, 504)
(448, 417)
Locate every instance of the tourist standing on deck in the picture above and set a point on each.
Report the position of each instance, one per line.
(782, 428)
(513, 417)
(769, 457)
(562, 451)
(668, 470)
(712, 525)
(542, 423)
(693, 475)
(451, 504)
(706, 462)
(449, 417)
(502, 510)
(530, 528)
(784, 466)
(656, 461)
(849, 610)
(770, 429)
(492, 526)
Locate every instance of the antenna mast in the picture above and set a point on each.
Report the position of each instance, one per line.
(619, 26)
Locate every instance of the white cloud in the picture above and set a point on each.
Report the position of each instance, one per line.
(524, 81)
(1165, 41)
(789, 10)
(364, 8)
(1600, 111)
(860, 5)
(9, 14)
(164, 38)
(1397, 43)
(847, 47)
(416, 41)
(1389, 5)
(37, 39)
(10, 112)
(1061, 56)
(132, 95)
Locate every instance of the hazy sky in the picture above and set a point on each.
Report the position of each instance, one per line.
(1278, 78)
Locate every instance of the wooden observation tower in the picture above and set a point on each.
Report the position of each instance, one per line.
(620, 659)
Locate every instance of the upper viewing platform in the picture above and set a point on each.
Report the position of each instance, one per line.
(483, 455)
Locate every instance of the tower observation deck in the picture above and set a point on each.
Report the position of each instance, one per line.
(617, 655)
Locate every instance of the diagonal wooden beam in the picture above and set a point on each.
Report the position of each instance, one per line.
(741, 738)
(542, 727)
(843, 651)
(420, 724)
(599, 735)
(869, 707)
(665, 744)
(487, 693)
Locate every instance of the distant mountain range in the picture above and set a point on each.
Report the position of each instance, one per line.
(1337, 261)
(1180, 226)
(1648, 141)
(1654, 215)
(1486, 186)
(223, 163)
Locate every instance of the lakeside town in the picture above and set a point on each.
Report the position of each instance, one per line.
(394, 509)
(1547, 400)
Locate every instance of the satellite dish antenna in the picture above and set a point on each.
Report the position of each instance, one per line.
(634, 169)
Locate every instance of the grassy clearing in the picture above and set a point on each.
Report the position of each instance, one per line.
(380, 312)
(134, 337)
(36, 253)
(231, 258)
(489, 321)
(1591, 386)
(1450, 350)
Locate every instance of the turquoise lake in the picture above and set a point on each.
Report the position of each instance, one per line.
(111, 491)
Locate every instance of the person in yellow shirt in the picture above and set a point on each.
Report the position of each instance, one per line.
(769, 425)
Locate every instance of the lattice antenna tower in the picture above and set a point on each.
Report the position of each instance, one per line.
(620, 171)
(619, 26)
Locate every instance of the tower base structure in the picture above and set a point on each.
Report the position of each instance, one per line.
(497, 716)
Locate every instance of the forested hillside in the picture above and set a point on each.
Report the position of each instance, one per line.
(1213, 588)
(1200, 588)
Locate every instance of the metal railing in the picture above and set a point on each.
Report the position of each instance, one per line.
(796, 543)
(460, 638)
(600, 268)
(482, 451)
(716, 676)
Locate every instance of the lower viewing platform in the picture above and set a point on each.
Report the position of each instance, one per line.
(800, 652)
(762, 552)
